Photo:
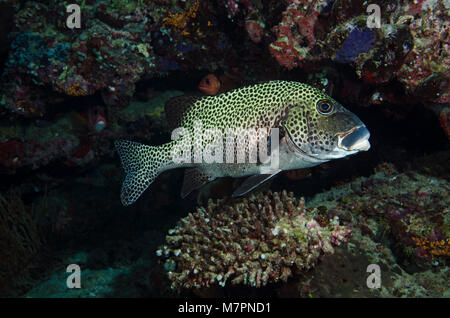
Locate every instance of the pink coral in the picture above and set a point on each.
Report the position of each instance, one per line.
(291, 48)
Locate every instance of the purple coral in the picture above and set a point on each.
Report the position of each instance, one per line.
(357, 42)
(251, 241)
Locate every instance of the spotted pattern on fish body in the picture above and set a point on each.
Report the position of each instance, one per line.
(313, 130)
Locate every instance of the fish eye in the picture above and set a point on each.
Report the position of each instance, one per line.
(207, 81)
(324, 107)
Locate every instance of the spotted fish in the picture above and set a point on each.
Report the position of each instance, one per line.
(312, 129)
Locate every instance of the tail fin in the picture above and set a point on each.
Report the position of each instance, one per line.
(141, 164)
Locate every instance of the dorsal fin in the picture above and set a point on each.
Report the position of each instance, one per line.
(176, 107)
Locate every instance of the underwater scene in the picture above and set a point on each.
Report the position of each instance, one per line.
(198, 149)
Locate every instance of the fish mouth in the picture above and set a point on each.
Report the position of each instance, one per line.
(356, 139)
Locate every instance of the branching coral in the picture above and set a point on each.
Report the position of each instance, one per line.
(251, 241)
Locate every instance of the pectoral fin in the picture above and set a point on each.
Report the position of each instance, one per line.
(252, 183)
(194, 178)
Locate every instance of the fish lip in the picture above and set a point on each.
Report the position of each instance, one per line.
(356, 139)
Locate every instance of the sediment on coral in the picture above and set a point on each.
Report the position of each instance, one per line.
(253, 241)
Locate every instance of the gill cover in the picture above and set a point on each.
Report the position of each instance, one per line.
(295, 127)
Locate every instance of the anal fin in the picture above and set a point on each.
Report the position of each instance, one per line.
(194, 178)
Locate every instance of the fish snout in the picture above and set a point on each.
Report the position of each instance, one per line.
(355, 139)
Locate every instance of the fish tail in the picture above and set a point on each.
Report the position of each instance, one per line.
(142, 164)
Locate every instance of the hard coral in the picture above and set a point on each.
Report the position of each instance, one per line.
(430, 56)
(250, 241)
(432, 248)
(98, 58)
(180, 20)
(411, 45)
(412, 207)
(295, 33)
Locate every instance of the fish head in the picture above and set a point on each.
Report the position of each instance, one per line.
(210, 85)
(319, 128)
